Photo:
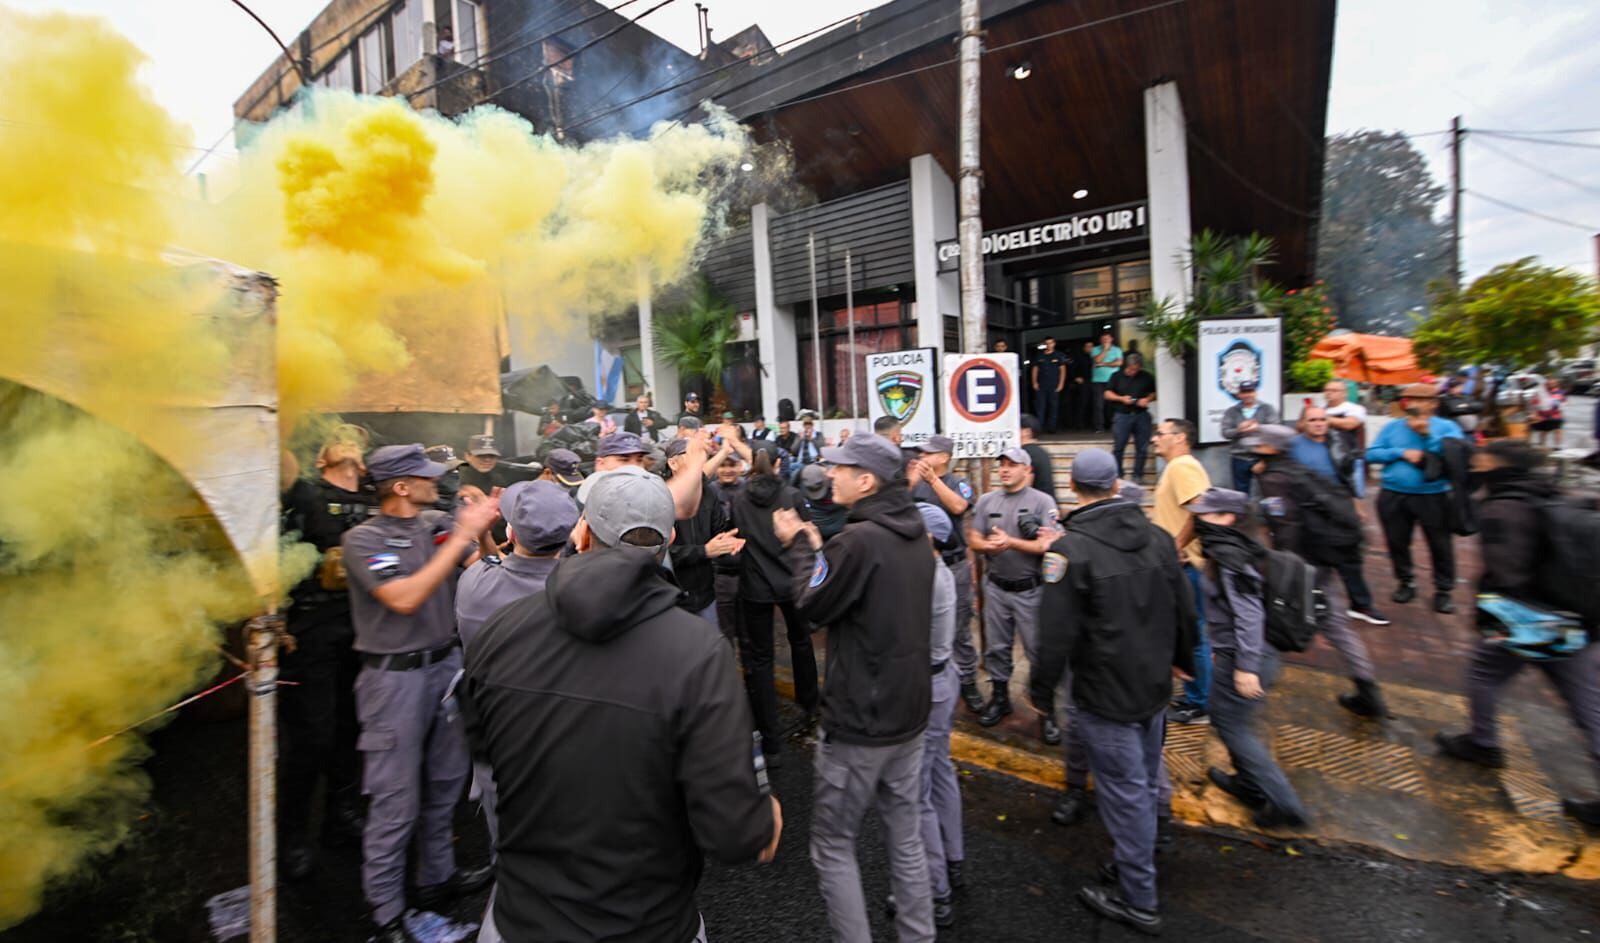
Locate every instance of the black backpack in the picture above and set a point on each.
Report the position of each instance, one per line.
(1569, 561)
(1330, 528)
(1293, 604)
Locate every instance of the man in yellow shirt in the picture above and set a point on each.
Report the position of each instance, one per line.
(1182, 480)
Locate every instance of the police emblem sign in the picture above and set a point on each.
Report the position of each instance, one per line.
(980, 403)
(901, 386)
(1233, 351)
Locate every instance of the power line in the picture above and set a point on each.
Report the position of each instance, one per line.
(1536, 168)
(300, 70)
(1533, 140)
(1536, 132)
(1534, 213)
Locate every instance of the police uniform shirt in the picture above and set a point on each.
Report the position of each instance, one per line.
(320, 512)
(1051, 366)
(958, 533)
(388, 548)
(1003, 510)
(493, 583)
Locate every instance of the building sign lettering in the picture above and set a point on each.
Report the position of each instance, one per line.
(1091, 229)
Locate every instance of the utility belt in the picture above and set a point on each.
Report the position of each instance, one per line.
(937, 668)
(952, 557)
(408, 661)
(1015, 586)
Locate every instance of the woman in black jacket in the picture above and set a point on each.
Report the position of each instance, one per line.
(764, 584)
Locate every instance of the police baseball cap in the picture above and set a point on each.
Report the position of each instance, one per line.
(871, 452)
(482, 445)
(621, 443)
(1095, 468)
(692, 398)
(1018, 455)
(1220, 501)
(936, 520)
(444, 455)
(402, 461)
(677, 447)
(541, 513)
(563, 463)
(814, 482)
(690, 424)
(1248, 386)
(937, 443)
(624, 499)
(1271, 436)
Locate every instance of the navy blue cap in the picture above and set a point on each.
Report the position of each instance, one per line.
(871, 452)
(936, 520)
(402, 461)
(541, 513)
(621, 443)
(563, 463)
(1095, 468)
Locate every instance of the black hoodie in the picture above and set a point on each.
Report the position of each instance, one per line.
(1117, 607)
(1511, 531)
(620, 741)
(872, 586)
(763, 574)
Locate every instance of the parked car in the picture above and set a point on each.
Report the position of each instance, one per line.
(1578, 375)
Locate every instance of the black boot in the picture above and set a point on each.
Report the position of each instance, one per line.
(1273, 816)
(953, 870)
(1073, 807)
(463, 881)
(1231, 785)
(998, 708)
(969, 694)
(1404, 593)
(1048, 731)
(1107, 904)
(1442, 604)
(1586, 812)
(1462, 747)
(1367, 701)
(944, 912)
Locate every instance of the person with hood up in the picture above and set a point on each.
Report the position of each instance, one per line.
(1246, 665)
(1119, 613)
(872, 588)
(618, 738)
(765, 585)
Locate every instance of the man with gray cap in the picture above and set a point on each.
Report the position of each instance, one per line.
(1013, 527)
(1245, 416)
(1120, 616)
(933, 483)
(626, 448)
(617, 730)
(872, 587)
(402, 567)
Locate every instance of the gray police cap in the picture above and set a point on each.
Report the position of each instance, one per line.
(626, 499)
(1095, 468)
(814, 482)
(541, 513)
(1019, 455)
(938, 443)
(621, 443)
(1220, 501)
(402, 461)
(936, 520)
(871, 452)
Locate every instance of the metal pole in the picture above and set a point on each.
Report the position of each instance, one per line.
(850, 305)
(816, 339)
(1456, 134)
(261, 639)
(974, 324)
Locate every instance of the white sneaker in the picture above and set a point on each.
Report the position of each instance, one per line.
(1370, 616)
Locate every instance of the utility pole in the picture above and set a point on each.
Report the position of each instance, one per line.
(1456, 134)
(974, 320)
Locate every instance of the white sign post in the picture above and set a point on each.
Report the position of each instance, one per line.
(981, 413)
(1230, 352)
(902, 384)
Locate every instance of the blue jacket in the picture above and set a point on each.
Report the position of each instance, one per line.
(1395, 440)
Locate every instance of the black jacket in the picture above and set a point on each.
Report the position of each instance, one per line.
(695, 572)
(631, 423)
(872, 586)
(1119, 609)
(619, 737)
(764, 575)
(1511, 533)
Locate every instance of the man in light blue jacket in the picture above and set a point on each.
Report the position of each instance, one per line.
(1411, 497)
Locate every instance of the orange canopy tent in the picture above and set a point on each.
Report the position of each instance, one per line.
(1371, 358)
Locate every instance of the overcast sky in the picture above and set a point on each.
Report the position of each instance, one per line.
(1528, 66)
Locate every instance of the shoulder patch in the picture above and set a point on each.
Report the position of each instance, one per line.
(820, 571)
(383, 563)
(964, 489)
(1053, 567)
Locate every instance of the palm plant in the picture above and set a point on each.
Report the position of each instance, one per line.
(1224, 275)
(696, 338)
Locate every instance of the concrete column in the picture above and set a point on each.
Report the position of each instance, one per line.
(933, 217)
(660, 377)
(1166, 158)
(775, 336)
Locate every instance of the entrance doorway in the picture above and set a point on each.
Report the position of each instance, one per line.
(1070, 338)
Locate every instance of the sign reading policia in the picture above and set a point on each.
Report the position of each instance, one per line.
(1232, 351)
(902, 384)
(981, 412)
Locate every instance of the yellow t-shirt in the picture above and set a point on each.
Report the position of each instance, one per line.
(1183, 480)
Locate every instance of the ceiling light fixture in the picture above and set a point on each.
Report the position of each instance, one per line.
(1079, 194)
(1022, 71)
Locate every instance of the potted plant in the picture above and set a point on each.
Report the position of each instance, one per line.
(695, 337)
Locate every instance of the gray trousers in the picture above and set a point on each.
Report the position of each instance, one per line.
(849, 778)
(1336, 626)
(1128, 773)
(1007, 615)
(1577, 679)
(416, 766)
(1234, 718)
(483, 790)
(961, 647)
(941, 789)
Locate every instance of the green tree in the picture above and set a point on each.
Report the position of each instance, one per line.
(695, 337)
(1520, 313)
(1379, 243)
(1223, 282)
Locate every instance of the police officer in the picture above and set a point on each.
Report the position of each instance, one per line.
(941, 792)
(484, 469)
(317, 710)
(932, 482)
(402, 567)
(1013, 527)
(563, 467)
(542, 515)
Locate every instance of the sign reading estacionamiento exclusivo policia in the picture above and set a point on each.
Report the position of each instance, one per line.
(903, 385)
(981, 413)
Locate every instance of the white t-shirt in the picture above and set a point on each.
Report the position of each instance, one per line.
(1354, 438)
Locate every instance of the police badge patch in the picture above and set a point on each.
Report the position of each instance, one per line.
(1053, 567)
(819, 572)
(964, 489)
(384, 564)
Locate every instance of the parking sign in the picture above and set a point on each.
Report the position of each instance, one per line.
(981, 414)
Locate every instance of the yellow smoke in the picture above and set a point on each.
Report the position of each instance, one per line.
(392, 236)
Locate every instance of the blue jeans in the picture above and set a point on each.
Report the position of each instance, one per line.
(1242, 475)
(1136, 425)
(1198, 691)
